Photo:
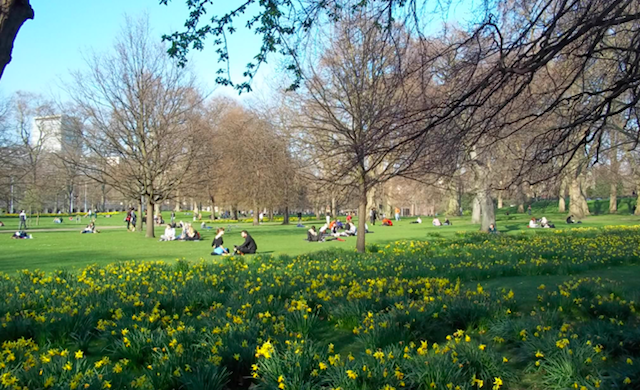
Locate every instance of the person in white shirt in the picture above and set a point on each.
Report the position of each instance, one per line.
(533, 224)
(436, 222)
(169, 234)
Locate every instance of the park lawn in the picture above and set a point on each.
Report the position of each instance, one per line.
(50, 250)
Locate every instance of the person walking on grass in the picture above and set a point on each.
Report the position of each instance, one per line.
(23, 221)
(397, 210)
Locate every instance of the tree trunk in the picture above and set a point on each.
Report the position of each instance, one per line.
(285, 217)
(499, 199)
(256, 214)
(488, 213)
(13, 14)
(613, 198)
(578, 206)
(453, 207)
(637, 212)
(334, 212)
(270, 215)
(362, 219)
(234, 212)
(562, 206)
(150, 209)
(476, 210)
(140, 216)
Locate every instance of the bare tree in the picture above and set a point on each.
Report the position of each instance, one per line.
(357, 112)
(140, 134)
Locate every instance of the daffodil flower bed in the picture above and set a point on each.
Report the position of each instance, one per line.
(413, 315)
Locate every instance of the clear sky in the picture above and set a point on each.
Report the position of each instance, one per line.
(51, 45)
(47, 47)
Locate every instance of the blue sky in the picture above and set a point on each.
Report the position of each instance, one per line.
(51, 45)
(47, 47)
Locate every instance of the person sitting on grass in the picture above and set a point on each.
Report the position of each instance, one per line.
(492, 229)
(447, 222)
(533, 224)
(57, 220)
(218, 244)
(418, 220)
(571, 219)
(386, 222)
(91, 228)
(312, 235)
(350, 229)
(192, 234)
(436, 222)
(169, 233)
(323, 229)
(1, 224)
(249, 246)
(544, 222)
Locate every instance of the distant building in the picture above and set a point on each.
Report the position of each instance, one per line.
(57, 133)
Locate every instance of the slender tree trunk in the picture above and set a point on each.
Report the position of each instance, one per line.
(334, 212)
(234, 212)
(476, 210)
(613, 198)
(150, 211)
(499, 199)
(562, 206)
(285, 218)
(256, 214)
(453, 207)
(270, 215)
(577, 203)
(140, 216)
(362, 219)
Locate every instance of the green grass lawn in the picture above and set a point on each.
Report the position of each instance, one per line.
(51, 250)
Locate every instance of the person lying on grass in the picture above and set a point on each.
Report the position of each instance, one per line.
(91, 228)
(386, 222)
(249, 246)
(21, 235)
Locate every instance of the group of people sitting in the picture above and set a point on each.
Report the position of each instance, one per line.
(247, 248)
(188, 233)
(334, 229)
(437, 222)
(541, 223)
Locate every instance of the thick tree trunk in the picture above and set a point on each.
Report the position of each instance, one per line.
(613, 198)
(13, 14)
(362, 219)
(285, 218)
(562, 205)
(487, 210)
(476, 210)
(499, 199)
(637, 212)
(150, 211)
(578, 206)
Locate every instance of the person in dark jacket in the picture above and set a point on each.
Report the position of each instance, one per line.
(249, 246)
(218, 244)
